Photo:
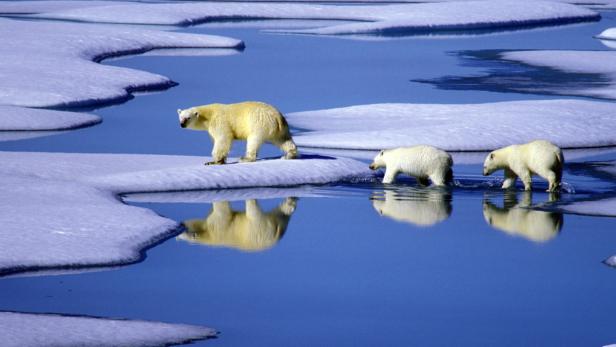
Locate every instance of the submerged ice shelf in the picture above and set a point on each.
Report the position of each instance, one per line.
(34, 330)
(458, 127)
(62, 210)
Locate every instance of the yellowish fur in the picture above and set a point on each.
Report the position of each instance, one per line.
(255, 122)
(249, 230)
(422, 162)
(539, 157)
(519, 219)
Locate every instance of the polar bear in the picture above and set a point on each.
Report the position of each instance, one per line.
(539, 157)
(517, 218)
(421, 162)
(424, 208)
(249, 230)
(255, 122)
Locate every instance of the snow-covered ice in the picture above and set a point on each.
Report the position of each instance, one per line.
(33, 330)
(28, 7)
(22, 119)
(603, 204)
(368, 18)
(605, 207)
(52, 64)
(465, 15)
(601, 63)
(458, 127)
(62, 210)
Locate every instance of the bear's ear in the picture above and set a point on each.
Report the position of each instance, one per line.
(381, 152)
(179, 110)
(491, 155)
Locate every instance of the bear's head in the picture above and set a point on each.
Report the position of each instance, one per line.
(490, 164)
(379, 161)
(187, 116)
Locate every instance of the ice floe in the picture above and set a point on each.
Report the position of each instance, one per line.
(30, 7)
(47, 64)
(605, 207)
(599, 204)
(24, 119)
(368, 18)
(599, 63)
(32, 330)
(61, 210)
(461, 127)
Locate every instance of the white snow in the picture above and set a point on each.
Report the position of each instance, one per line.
(585, 62)
(33, 330)
(23, 135)
(372, 18)
(572, 155)
(62, 210)
(465, 15)
(458, 127)
(47, 64)
(21, 119)
(611, 261)
(23, 7)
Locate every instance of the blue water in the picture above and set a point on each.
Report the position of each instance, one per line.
(343, 273)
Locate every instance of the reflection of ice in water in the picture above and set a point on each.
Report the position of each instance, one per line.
(249, 230)
(518, 219)
(420, 207)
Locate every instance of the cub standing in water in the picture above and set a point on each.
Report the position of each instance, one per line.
(539, 157)
(422, 162)
(255, 122)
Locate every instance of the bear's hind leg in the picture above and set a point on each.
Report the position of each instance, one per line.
(554, 183)
(289, 148)
(253, 143)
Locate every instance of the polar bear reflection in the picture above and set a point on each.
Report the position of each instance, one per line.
(518, 219)
(420, 207)
(249, 230)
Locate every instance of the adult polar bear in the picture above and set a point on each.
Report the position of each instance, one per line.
(255, 122)
(538, 157)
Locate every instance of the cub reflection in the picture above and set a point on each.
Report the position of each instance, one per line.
(249, 230)
(517, 218)
(420, 207)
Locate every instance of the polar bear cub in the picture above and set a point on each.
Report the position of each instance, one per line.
(255, 122)
(539, 157)
(422, 162)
